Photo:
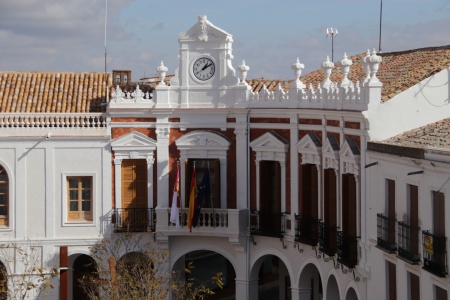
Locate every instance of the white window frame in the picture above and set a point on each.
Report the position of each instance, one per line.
(65, 201)
(205, 145)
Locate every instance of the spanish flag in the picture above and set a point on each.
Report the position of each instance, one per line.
(174, 218)
(193, 201)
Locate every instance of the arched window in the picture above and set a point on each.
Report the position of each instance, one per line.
(125, 78)
(4, 197)
(118, 78)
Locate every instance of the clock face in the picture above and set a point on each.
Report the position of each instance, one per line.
(203, 68)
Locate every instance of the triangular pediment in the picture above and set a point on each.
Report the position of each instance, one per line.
(203, 140)
(310, 143)
(350, 150)
(270, 141)
(204, 31)
(331, 146)
(133, 140)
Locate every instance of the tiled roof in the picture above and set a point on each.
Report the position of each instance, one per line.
(52, 92)
(398, 71)
(431, 136)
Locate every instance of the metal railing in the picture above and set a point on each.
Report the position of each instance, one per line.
(408, 243)
(347, 249)
(328, 239)
(307, 230)
(134, 220)
(386, 233)
(434, 253)
(261, 224)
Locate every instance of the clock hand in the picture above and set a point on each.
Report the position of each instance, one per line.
(206, 66)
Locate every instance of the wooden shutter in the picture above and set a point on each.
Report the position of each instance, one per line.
(414, 287)
(349, 205)
(330, 197)
(270, 196)
(439, 214)
(391, 210)
(414, 217)
(134, 183)
(392, 281)
(441, 294)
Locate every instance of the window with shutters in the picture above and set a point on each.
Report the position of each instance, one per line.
(79, 198)
(391, 279)
(4, 197)
(309, 204)
(270, 198)
(134, 183)
(413, 287)
(440, 293)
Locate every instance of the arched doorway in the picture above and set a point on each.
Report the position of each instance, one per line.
(351, 295)
(207, 264)
(332, 289)
(3, 282)
(310, 284)
(272, 277)
(84, 268)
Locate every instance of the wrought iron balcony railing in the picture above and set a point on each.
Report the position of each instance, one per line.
(268, 224)
(408, 243)
(306, 230)
(435, 254)
(386, 233)
(347, 249)
(134, 219)
(328, 239)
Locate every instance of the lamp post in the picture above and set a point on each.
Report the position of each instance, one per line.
(332, 32)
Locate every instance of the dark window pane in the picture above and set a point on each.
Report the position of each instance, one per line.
(3, 210)
(2, 188)
(73, 206)
(73, 195)
(3, 199)
(86, 183)
(86, 206)
(73, 183)
(86, 195)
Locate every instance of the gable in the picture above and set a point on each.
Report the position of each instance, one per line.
(203, 140)
(205, 31)
(270, 142)
(133, 141)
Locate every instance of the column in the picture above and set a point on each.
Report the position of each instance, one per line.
(118, 182)
(241, 167)
(150, 185)
(162, 165)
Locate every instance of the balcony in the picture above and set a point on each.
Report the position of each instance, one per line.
(408, 243)
(386, 233)
(267, 224)
(217, 222)
(347, 249)
(327, 239)
(434, 254)
(134, 219)
(306, 230)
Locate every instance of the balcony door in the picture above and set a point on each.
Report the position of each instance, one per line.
(270, 197)
(309, 204)
(134, 193)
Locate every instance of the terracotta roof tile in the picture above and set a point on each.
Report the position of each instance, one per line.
(434, 136)
(398, 71)
(52, 92)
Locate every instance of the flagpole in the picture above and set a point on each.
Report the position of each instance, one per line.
(211, 199)
(179, 191)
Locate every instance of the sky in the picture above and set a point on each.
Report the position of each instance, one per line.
(67, 36)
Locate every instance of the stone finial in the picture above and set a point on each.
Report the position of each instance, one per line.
(366, 66)
(297, 67)
(297, 84)
(162, 70)
(327, 66)
(345, 65)
(243, 68)
(202, 28)
(374, 62)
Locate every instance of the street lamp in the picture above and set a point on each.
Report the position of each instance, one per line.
(332, 32)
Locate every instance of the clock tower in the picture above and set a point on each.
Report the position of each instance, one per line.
(205, 76)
